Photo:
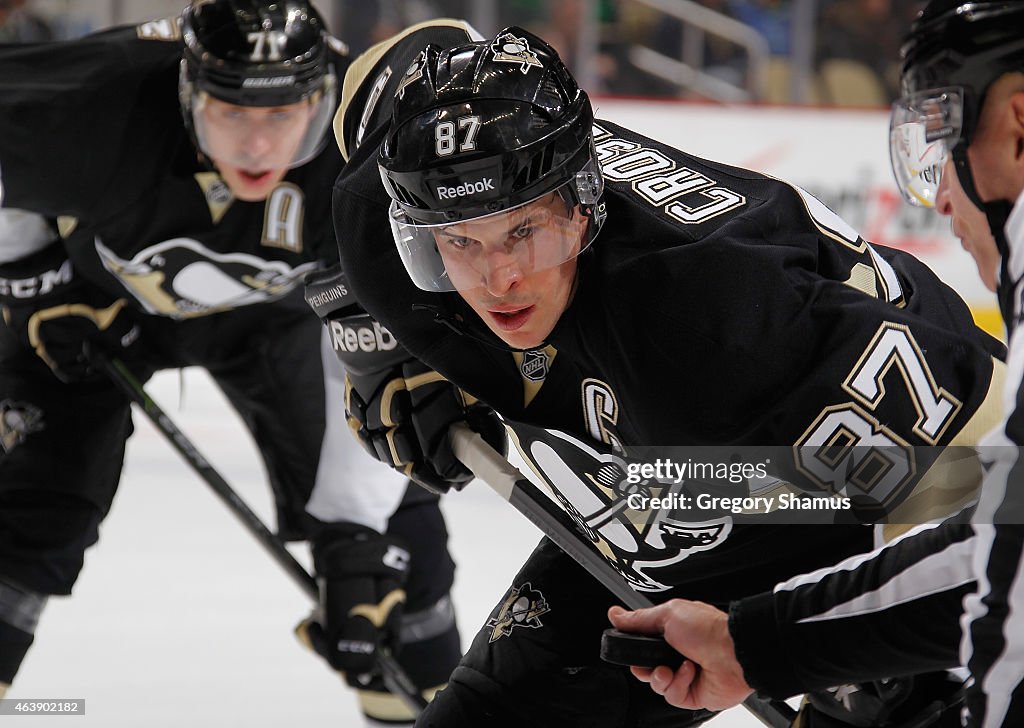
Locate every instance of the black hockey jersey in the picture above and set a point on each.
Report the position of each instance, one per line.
(717, 306)
(105, 152)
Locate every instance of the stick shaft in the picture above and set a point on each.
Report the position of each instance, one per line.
(395, 678)
(497, 472)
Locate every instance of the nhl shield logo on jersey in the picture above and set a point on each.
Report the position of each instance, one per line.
(535, 365)
(522, 607)
(17, 421)
(508, 48)
(592, 486)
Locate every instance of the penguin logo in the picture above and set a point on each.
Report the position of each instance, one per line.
(508, 48)
(521, 608)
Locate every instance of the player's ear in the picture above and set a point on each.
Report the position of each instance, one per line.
(1016, 112)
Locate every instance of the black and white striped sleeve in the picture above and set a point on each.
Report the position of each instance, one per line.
(993, 646)
(893, 611)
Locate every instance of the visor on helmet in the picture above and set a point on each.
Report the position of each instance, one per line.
(263, 137)
(465, 254)
(923, 130)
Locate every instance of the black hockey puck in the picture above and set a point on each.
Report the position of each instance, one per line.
(641, 650)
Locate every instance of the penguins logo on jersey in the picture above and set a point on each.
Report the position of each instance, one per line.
(17, 421)
(181, 278)
(509, 48)
(593, 489)
(522, 607)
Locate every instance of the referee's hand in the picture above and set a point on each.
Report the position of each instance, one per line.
(711, 676)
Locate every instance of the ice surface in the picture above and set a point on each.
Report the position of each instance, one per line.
(180, 619)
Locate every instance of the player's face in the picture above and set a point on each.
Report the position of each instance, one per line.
(969, 224)
(497, 265)
(253, 146)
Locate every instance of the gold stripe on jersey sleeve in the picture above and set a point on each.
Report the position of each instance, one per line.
(385, 707)
(989, 414)
(165, 29)
(358, 72)
(990, 320)
(953, 479)
(863, 278)
(66, 225)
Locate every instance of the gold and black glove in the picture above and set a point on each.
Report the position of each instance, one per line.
(59, 315)
(398, 408)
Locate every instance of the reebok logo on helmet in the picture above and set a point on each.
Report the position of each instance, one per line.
(484, 184)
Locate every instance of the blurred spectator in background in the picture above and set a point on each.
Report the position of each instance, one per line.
(562, 23)
(771, 18)
(367, 22)
(20, 25)
(719, 57)
(868, 32)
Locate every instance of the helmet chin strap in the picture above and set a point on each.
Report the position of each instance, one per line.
(997, 212)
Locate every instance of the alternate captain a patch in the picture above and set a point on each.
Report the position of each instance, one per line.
(521, 608)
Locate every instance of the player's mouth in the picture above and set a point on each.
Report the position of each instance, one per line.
(511, 318)
(255, 178)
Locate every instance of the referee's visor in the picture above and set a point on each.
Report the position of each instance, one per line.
(923, 130)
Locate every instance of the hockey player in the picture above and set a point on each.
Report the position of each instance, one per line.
(717, 306)
(188, 166)
(961, 114)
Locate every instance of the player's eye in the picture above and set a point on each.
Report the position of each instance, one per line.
(458, 242)
(523, 231)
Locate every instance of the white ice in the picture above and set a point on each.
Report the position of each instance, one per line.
(180, 619)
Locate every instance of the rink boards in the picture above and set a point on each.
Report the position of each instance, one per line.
(841, 156)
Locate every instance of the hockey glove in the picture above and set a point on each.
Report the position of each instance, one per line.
(56, 313)
(361, 574)
(403, 418)
(399, 408)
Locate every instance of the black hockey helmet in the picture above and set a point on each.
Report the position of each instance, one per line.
(953, 53)
(258, 53)
(480, 130)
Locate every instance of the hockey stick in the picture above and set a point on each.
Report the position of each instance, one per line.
(506, 480)
(395, 678)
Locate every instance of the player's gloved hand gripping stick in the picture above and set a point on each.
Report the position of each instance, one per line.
(618, 647)
(395, 678)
